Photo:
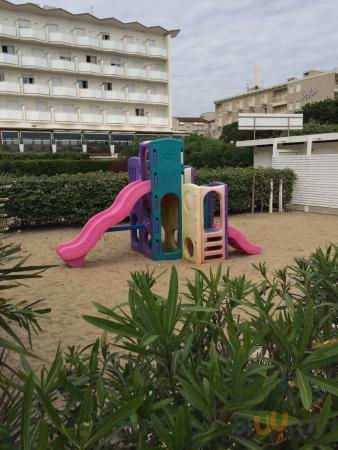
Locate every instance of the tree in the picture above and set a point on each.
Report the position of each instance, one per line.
(325, 111)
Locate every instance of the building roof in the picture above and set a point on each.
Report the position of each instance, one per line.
(60, 12)
(321, 137)
(193, 119)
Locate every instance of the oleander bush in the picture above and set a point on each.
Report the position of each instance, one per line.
(14, 156)
(230, 363)
(74, 198)
(51, 167)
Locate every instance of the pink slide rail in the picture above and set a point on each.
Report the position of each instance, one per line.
(74, 251)
(238, 241)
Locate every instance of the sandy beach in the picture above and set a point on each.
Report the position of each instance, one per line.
(103, 279)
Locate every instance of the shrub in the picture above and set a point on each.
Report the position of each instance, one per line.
(228, 364)
(206, 152)
(50, 167)
(43, 155)
(73, 199)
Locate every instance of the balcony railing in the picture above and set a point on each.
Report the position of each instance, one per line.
(64, 91)
(6, 30)
(136, 48)
(114, 95)
(90, 93)
(139, 73)
(60, 38)
(89, 67)
(92, 118)
(159, 121)
(83, 41)
(115, 118)
(32, 33)
(66, 117)
(9, 87)
(158, 75)
(137, 97)
(10, 114)
(138, 120)
(38, 116)
(33, 61)
(39, 89)
(113, 70)
(62, 64)
(156, 98)
(7, 58)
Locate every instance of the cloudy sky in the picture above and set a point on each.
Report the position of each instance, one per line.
(221, 40)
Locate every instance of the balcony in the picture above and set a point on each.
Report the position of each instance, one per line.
(114, 95)
(38, 116)
(5, 30)
(137, 97)
(112, 45)
(39, 89)
(138, 120)
(89, 67)
(159, 121)
(279, 100)
(60, 38)
(10, 114)
(66, 117)
(115, 118)
(62, 64)
(158, 75)
(90, 93)
(92, 118)
(8, 87)
(113, 70)
(136, 48)
(86, 41)
(7, 58)
(139, 73)
(156, 98)
(33, 61)
(31, 33)
(157, 51)
(64, 91)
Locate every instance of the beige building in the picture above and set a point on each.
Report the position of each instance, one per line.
(287, 97)
(203, 125)
(75, 72)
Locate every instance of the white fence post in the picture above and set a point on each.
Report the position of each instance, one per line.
(280, 197)
(271, 197)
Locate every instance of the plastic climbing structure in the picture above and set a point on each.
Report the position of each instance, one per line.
(170, 216)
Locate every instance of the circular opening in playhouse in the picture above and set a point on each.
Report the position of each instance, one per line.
(135, 233)
(189, 246)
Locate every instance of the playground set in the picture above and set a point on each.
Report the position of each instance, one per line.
(170, 217)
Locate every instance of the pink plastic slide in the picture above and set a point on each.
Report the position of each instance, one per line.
(74, 252)
(238, 241)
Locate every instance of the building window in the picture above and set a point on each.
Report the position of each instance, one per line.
(41, 106)
(291, 89)
(297, 106)
(117, 110)
(105, 36)
(12, 104)
(68, 108)
(91, 59)
(65, 55)
(38, 52)
(116, 62)
(10, 49)
(129, 39)
(291, 106)
(52, 28)
(151, 42)
(2, 76)
(56, 81)
(298, 87)
(80, 31)
(23, 23)
(107, 86)
(139, 112)
(26, 79)
(83, 84)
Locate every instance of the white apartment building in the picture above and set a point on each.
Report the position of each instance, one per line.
(62, 72)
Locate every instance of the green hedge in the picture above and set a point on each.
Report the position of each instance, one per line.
(43, 155)
(51, 167)
(73, 199)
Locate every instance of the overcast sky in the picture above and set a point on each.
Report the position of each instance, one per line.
(220, 41)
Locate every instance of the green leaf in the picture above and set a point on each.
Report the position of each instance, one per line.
(328, 386)
(304, 389)
(26, 413)
(246, 443)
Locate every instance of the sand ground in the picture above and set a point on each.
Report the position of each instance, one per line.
(103, 279)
